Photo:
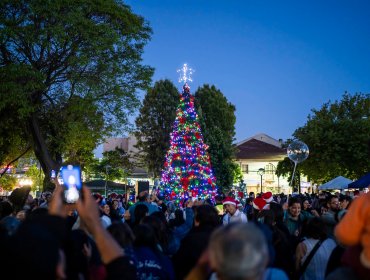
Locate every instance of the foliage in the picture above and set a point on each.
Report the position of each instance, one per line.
(286, 168)
(8, 182)
(217, 119)
(70, 72)
(338, 138)
(115, 165)
(154, 124)
(187, 165)
(35, 174)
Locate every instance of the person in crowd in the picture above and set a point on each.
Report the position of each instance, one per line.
(344, 203)
(236, 251)
(141, 211)
(196, 241)
(116, 211)
(46, 200)
(143, 198)
(306, 209)
(39, 243)
(105, 215)
(329, 216)
(281, 253)
(293, 220)
(313, 267)
(248, 208)
(151, 262)
(233, 214)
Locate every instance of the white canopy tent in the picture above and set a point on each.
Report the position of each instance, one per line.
(338, 183)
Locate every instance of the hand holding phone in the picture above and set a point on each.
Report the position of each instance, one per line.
(72, 182)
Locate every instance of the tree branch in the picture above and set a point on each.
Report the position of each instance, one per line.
(14, 160)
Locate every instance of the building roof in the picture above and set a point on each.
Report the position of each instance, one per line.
(252, 148)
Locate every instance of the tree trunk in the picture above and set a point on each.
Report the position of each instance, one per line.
(41, 151)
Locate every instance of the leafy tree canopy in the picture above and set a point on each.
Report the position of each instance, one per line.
(70, 71)
(115, 165)
(154, 124)
(338, 136)
(217, 119)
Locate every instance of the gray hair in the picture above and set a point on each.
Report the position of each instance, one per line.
(239, 251)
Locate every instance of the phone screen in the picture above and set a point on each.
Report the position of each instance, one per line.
(72, 183)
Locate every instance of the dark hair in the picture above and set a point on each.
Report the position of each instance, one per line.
(266, 217)
(122, 233)
(314, 228)
(5, 209)
(160, 229)
(292, 200)
(278, 211)
(178, 220)
(145, 236)
(140, 212)
(206, 215)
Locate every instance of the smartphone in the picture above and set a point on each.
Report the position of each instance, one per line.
(72, 182)
(52, 174)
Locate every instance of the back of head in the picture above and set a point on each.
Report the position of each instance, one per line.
(207, 215)
(122, 233)
(36, 250)
(314, 228)
(141, 210)
(238, 251)
(145, 236)
(6, 209)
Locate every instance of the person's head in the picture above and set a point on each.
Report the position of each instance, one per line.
(145, 237)
(115, 204)
(251, 195)
(305, 204)
(206, 215)
(106, 209)
(333, 203)
(229, 205)
(122, 233)
(294, 206)
(143, 196)
(141, 210)
(314, 228)
(238, 251)
(178, 220)
(278, 211)
(344, 201)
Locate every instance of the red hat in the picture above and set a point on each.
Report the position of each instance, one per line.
(238, 204)
(259, 203)
(267, 197)
(229, 200)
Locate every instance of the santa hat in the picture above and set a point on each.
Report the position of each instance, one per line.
(238, 204)
(267, 197)
(229, 200)
(259, 203)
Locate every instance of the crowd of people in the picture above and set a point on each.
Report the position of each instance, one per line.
(265, 236)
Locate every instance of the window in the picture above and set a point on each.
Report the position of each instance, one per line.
(270, 169)
(245, 168)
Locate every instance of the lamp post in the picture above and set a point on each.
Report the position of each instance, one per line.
(260, 172)
(106, 180)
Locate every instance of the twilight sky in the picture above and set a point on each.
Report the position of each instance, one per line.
(274, 60)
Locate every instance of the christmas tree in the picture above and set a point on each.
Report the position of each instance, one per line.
(187, 168)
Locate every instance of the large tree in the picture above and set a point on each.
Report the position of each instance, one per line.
(70, 71)
(217, 119)
(338, 136)
(154, 124)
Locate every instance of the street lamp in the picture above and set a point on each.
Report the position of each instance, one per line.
(106, 180)
(260, 172)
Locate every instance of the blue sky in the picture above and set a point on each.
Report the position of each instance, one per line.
(274, 60)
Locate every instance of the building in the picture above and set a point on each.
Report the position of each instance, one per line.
(128, 145)
(258, 157)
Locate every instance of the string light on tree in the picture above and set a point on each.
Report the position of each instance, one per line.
(187, 169)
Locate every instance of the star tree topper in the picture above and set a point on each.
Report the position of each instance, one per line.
(185, 74)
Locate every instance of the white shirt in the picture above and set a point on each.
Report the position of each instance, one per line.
(237, 217)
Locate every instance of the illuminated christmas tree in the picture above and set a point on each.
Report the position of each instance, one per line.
(187, 168)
